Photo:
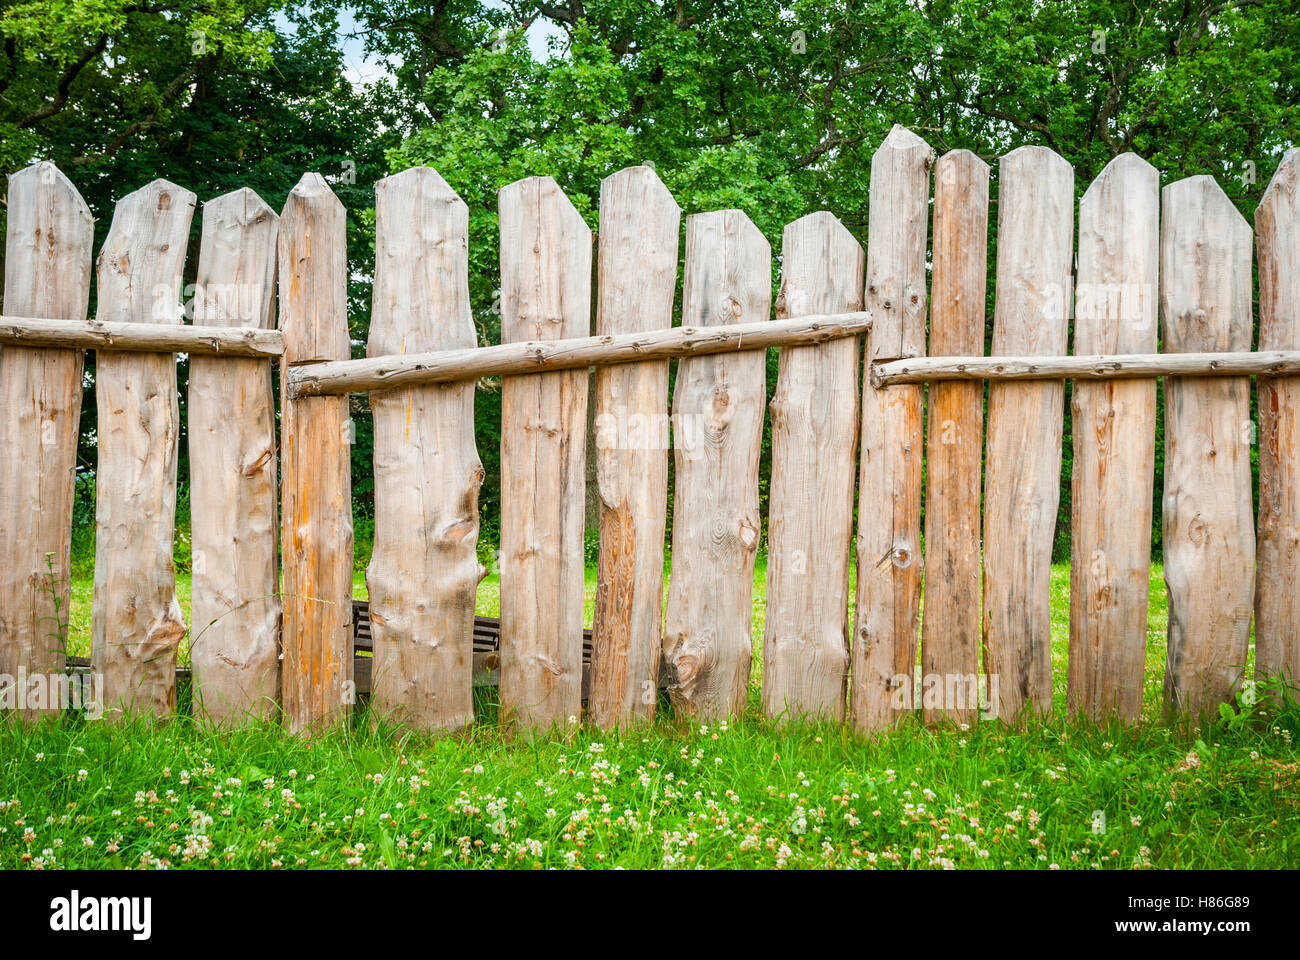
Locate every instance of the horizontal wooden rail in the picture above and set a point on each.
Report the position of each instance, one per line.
(532, 356)
(1127, 366)
(140, 337)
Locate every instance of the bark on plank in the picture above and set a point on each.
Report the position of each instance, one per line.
(1209, 535)
(814, 442)
(47, 274)
(1023, 459)
(638, 275)
(1116, 303)
(136, 622)
(718, 412)
(545, 295)
(950, 630)
(235, 651)
(316, 508)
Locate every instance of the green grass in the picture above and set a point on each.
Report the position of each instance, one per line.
(744, 794)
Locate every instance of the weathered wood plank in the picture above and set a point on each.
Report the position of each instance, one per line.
(1022, 485)
(888, 543)
(535, 356)
(637, 278)
(1277, 594)
(81, 334)
(235, 650)
(424, 572)
(316, 490)
(814, 442)
(718, 415)
(136, 623)
(47, 273)
(899, 198)
(1116, 303)
(1209, 535)
(950, 630)
(545, 295)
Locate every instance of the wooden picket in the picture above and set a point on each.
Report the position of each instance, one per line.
(889, 490)
(316, 490)
(1277, 597)
(1114, 442)
(718, 409)
(136, 623)
(638, 274)
(277, 638)
(424, 569)
(810, 502)
(1023, 452)
(545, 295)
(47, 274)
(1209, 533)
(235, 652)
(950, 633)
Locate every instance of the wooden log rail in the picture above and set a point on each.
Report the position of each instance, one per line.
(337, 377)
(1127, 366)
(131, 337)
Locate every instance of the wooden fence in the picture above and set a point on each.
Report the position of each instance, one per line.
(272, 575)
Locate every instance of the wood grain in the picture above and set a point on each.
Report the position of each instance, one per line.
(888, 543)
(1209, 535)
(900, 218)
(950, 630)
(136, 622)
(814, 443)
(545, 295)
(235, 651)
(1277, 593)
(637, 278)
(718, 416)
(424, 572)
(316, 490)
(47, 273)
(1116, 303)
(1023, 452)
